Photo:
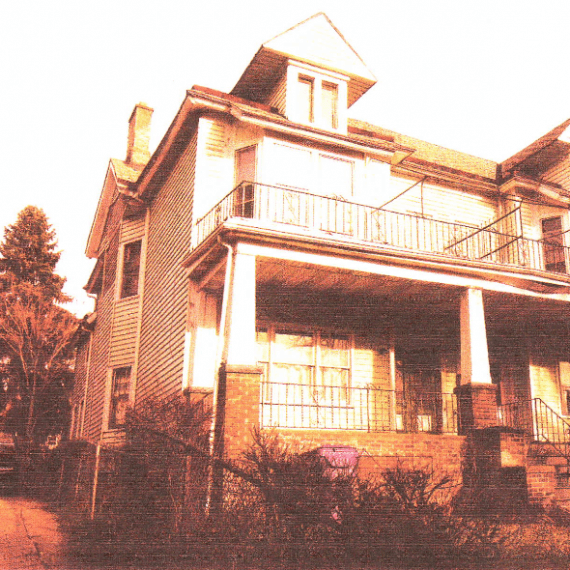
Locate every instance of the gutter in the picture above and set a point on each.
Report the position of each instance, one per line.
(199, 102)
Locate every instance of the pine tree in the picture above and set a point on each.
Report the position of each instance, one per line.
(28, 253)
(36, 335)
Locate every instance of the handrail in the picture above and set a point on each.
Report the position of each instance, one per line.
(367, 408)
(540, 421)
(336, 216)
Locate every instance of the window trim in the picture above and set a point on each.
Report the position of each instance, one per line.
(114, 400)
(124, 292)
(317, 334)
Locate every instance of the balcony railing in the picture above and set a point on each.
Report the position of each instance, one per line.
(289, 405)
(336, 216)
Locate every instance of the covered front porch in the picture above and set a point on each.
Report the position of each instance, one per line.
(350, 345)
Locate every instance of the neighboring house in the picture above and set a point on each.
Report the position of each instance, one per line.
(332, 280)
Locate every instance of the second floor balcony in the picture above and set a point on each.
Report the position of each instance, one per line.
(495, 242)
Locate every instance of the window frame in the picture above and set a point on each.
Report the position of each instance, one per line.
(554, 246)
(126, 288)
(316, 365)
(119, 397)
(302, 103)
(332, 120)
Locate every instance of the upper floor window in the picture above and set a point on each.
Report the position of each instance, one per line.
(329, 105)
(131, 269)
(306, 99)
(120, 397)
(553, 240)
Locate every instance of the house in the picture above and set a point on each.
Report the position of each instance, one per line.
(332, 280)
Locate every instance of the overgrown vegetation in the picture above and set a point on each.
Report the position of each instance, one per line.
(281, 508)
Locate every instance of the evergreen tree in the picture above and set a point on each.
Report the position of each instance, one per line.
(28, 253)
(36, 335)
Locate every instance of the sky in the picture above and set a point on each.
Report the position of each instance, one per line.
(485, 77)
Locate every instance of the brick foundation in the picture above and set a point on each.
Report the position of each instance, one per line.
(241, 414)
(541, 484)
(378, 451)
(477, 405)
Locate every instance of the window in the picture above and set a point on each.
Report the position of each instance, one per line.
(131, 267)
(119, 396)
(307, 377)
(553, 243)
(317, 360)
(329, 106)
(244, 204)
(305, 100)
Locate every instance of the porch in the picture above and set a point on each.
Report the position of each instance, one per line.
(499, 241)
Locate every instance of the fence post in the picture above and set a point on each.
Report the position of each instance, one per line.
(95, 480)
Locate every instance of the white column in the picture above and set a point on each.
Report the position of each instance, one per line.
(475, 367)
(241, 317)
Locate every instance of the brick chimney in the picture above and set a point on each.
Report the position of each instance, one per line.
(139, 135)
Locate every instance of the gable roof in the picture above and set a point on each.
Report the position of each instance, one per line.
(428, 152)
(118, 179)
(314, 41)
(540, 154)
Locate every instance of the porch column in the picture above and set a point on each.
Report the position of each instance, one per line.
(477, 395)
(241, 347)
(475, 367)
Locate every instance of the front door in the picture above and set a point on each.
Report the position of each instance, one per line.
(418, 399)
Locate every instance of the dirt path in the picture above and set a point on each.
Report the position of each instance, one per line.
(29, 536)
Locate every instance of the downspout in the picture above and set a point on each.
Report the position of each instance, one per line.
(217, 410)
(86, 388)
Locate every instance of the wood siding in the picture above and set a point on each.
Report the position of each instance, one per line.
(438, 202)
(545, 382)
(559, 174)
(161, 357)
(214, 164)
(278, 98)
(97, 391)
(371, 364)
(126, 311)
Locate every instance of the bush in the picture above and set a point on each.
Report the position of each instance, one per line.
(151, 492)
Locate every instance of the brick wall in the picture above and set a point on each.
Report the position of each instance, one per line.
(477, 405)
(378, 451)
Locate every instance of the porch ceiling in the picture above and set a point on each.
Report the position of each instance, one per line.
(504, 310)
(341, 282)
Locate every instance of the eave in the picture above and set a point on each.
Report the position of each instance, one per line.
(198, 102)
(118, 180)
(499, 278)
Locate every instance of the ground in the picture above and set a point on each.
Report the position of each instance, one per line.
(29, 536)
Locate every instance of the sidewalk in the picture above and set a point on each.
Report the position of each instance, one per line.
(29, 536)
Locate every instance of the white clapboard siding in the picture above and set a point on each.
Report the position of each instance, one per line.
(544, 383)
(123, 339)
(278, 98)
(559, 174)
(81, 372)
(99, 360)
(214, 165)
(132, 229)
(371, 365)
(161, 352)
(447, 204)
(126, 311)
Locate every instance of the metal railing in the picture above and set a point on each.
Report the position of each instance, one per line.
(337, 216)
(290, 405)
(540, 421)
